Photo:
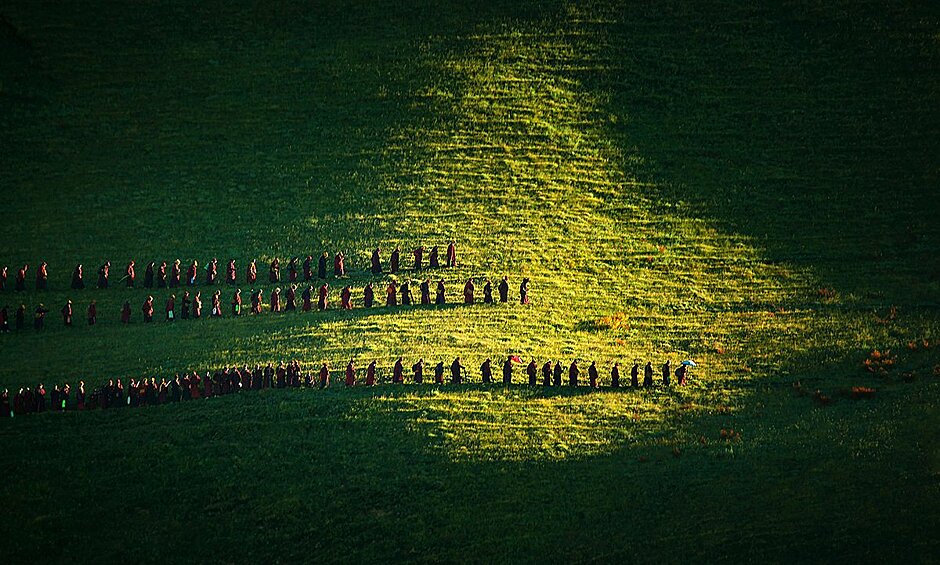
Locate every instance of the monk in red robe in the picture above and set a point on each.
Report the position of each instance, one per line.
(439, 297)
(398, 373)
(292, 270)
(147, 309)
(615, 375)
(291, 297)
(368, 295)
(212, 271)
(346, 298)
(276, 300)
(592, 375)
(21, 278)
(308, 268)
(274, 271)
(92, 313)
(370, 374)
(524, 291)
(197, 305)
(452, 254)
(504, 289)
(130, 275)
(391, 296)
(3, 278)
(103, 273)
(339, 265)
(376, 261)
(468, 292)
(419, 257)
(426, 291)
(216, 311)
(192, 273)
(175, 273)
(237, 302)
(161, 275)
(307, 298)
(439, 373)
(532, 371)
(323, 297)
(350, 374)
(418, 370)
(433, 260)
(148, 275)
(393, 262)
(251, 275)
(573, 372)
(42, 276)
(231, 273)
(77, 281)
(170, 308)
(486, 370)
(324, 376)
(67, 313)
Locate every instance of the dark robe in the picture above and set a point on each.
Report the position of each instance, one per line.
(323, 298)
(197, 306)
(346, 299)
(184, 309)
(452, 255)
(680, 374)
(324, 376)
(170, 309)
(425, 293)
(191, 273)
(455, 372)
(148, 276)
(573, 372)
(439, 373)
(376, 262)
(394, 260)
(507, 372)
(161, 276)
(532, 371)
(370, 374)
(175, 275)
(231, 272)
(439, 296)
(486, 370)
(615, 376)
(524, 292)
(406, 294)
(592, 375)
(350, 374)
(67, 314)
(126, 313)
(307, 297)
(292, 270)
(237, 304)
(488, 293)
(147, 309)
(130, 275)
(504, 290)
(77, 282)
(274, 271)
(433, 260)
(468, 292)
(635, 376)
(321, 267)
(275, 301)
(418, 369)
(212, 271)
(251, 273)
(547, 374)
(103, 275)
(92, 314)
(290, 298)
(368, 295)
(419, 256)
(665, 370)
(556, 374)
(648, 375)
(398, 373)
(339, 265)
(391, 297)
(308, 268)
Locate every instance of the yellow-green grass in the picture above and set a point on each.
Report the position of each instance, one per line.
(678, 179)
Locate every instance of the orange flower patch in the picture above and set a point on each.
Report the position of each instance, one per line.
(880, 362)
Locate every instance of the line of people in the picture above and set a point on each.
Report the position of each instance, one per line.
(171, 275)
(192, 386)
(191, 306)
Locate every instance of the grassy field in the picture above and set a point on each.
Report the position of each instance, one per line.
(678, 179)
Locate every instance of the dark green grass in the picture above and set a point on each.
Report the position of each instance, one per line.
(678, 179)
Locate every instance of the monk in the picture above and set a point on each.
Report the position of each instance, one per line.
(487, 292)
(573, 372)
(635, 375)
(406, 294)
(257, 297)
(292, 270)
(439, 295)
(507, 371)
(216, 311)
(468, 291)
(418, 370)
(486, 370)
(3, 277)
(324, 375)
(419, 257)
(237, 302)
(370, 374)
(92, 313)
(592, 374)
(547, 374)
(42, 276)
(394, 260)
(339, 265)
(615, 376)
(130, 275)
(161, 275)
(251, 274)
(556, 374)
(665, 370)
(323, 297)
(504, 289)
(456, 370)
(291, 297)
(532, 371)
(308, 268)
(350, 374)
(376, 261)
(126, 313)
(346, 298)
(398, 373)
(276, 300)
(321, 265)
(426, 291)
(680, 374)
(197, 305)
(192, 273)
(175, 273)
(307, 297)
(103, 272)
(147, 309)
(452, 254)
(648, 375)
(185, 303)
(274, 271)
(391, 296)
(148, 275)
(212, 271)
(170, 308)
(433, 261)
(21, 278)
(77, 282)
(439, 373)
(231, 273)
(67, 313)
(524, 291)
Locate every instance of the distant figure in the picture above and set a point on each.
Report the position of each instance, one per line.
(426, 291)
(439, 296)
(149, 275)
(486, 370)
(237, 302)
(557, 373)
(419, 257)
(175, 274)
(468, 292)
(147, 309)
(524, 292)
(398, 372)
(308, 268)
(103, 272)
(276, 300)
(391, 296)
(547, 374)
(321, 265)
(635, 375)
(350, 374)
(216, 310)
(77, 282)
(487, 292)
(456, 372)
(21, 278)
(665, 370)
(67, 313)
(231, 273)
(324, 376)
(42, 276)
(418, 370)
(126, 313)
(339, 265)
(504, 289)
(439, 373)
(185, 304)
(376, 261)
(323, 297)
(290, 298)
(615, 376)
(212, 271)
(573, 372)
(3, 277)
(507, 371)
(274, 271)
(251, 273)
(592, 374)
(292, 270)
(370, 374)
(130, 275)
(307, 299)
(433, 260)
(192, 273)
(92, 313)
(406, 294)
(170, 308)
(393, 262)
(532, 370)
(161, 275)
(346, 298)
(452, 254)
(680, 374)
(648, 375)
(368, 295)
(197, 305)
(257, 298)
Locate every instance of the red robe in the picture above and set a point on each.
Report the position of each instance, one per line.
(350, 375)
(322, 301)
(398, 373)
(345, 298)
(339, 265)
(252, 275)
(451, 255)
(232, 276)
(148, 310)
(275, 301)
(391, 298)
(370, 375)
(468, 293)
(92, 314)
(324, 377)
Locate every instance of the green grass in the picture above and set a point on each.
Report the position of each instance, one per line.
(678, 179)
